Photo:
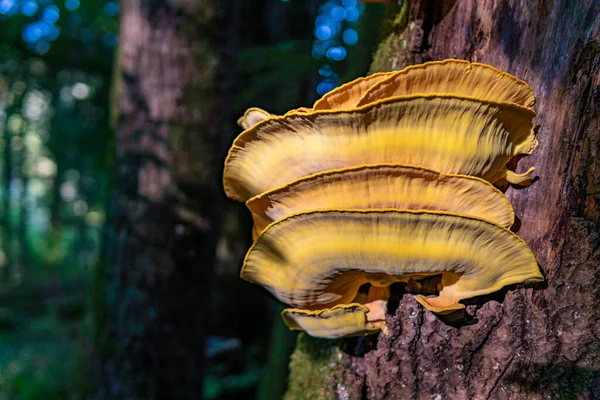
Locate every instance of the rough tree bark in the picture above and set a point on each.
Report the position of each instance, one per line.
(174, 76)
(523, 343)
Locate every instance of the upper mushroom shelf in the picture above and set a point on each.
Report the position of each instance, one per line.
(446, 133)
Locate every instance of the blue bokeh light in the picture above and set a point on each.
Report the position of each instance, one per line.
(50, 14)
(336, 53)
(326, 7)
(323, 32)
(333, 30)
(325, 71)
(110, 39)
(72, 5)
(32, 32)
(53, 33)
(333, 25)
(338, 13)
(325, 86)
(111, 9)
(350, 37)
(8, 7)
(29, 8)
(352, 14)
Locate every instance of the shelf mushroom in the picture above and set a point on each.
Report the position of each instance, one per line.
(253, 116)
(459, 77)
(382, 186)
(319, 259)
(349, 94)
(343, 320)
(388, 178)
(450, 134)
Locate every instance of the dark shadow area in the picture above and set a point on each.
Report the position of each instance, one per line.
(428, 286)
(500, 295)
(516, 225)
(458, 319)
(358, 346)
(558, 381)
(397, 290)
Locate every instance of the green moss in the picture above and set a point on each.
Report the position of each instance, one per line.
(312, 369)
(386, 57)
(396, 30)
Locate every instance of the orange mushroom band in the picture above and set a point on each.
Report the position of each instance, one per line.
(349, 94)
(457, 77)
(451, 134)
(382, 186)
(451, 76)
(317, 260)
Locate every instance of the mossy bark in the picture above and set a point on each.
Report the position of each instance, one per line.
(524, 342)
(174, 90)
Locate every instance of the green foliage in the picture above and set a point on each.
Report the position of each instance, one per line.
(55, 162)
(39, 359)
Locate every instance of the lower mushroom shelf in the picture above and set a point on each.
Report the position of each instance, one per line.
(317, 260)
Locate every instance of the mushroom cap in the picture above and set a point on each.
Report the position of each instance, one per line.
(348, 95)
(343, 320)
(253, 116)
(383, 186)
(451, 76)
(319, 259)
(451, 134)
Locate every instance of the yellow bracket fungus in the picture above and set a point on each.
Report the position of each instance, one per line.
(456, 77)
(340, 321)
(382, 186)
(319, 259)
(388, 178)
(253, 116)
(451, 134)
(348, 95)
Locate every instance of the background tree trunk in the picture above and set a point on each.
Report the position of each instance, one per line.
(175, 76)
(522, 343)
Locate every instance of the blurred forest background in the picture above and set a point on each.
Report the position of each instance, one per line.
(58, 115)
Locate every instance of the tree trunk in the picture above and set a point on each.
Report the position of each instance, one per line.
(175, 72)
(524, 342)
